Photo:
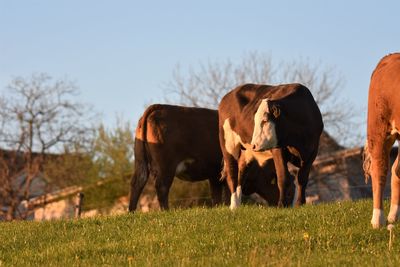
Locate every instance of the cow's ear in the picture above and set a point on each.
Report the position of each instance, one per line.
(275, 110)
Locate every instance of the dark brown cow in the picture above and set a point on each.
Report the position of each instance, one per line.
(383, 126)
(181, 141)
(176, 141)
(259, 122)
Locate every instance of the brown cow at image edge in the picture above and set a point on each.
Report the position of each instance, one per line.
(383, 124)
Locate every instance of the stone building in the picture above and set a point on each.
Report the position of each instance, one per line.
(337, 174)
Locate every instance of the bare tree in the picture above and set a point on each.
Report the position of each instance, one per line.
(39, 119)
(206, 85)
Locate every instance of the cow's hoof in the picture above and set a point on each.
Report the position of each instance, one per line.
(234, 205)
(378, 219)
(393, 213)
(298, 204)
(236, 198)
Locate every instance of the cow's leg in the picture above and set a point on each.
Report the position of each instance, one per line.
(226, 194)
(290, 192)
(242, 169)
(302, 178)
(231, 167)
(216, 187)
(164, 181)
(302, 181)
(225, 188)
(379, 168)
(138, 182)
(282, 173)
(395, 194)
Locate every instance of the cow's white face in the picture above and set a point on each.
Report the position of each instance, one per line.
(264, 133)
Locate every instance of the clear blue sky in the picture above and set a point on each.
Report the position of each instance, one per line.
(121, 52)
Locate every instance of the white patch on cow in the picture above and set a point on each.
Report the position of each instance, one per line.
(182, 166)
(264, 133)
(378, 218)
(394, 129)
(260, 157)
(393, 213)
(236, 198)
(232, 140)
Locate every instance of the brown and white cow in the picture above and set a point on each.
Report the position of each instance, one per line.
(176, 141)
(259, 122)
(383, 129)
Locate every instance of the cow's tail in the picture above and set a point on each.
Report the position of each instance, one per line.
(366, 162)
(226, 193)
(223, 174)
(397, 170)
(142, 159)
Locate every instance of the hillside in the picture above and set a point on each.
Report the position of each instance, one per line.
(313, 235)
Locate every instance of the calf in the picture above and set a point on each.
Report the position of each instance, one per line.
(263, 181)
(260, 122)
(383, 124)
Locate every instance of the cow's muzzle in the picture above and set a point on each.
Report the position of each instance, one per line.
(256, 148)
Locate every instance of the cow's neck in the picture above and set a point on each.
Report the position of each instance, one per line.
(291, 136)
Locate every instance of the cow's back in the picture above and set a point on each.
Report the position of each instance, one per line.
(241, 103)
(384, 94)
(184, 135)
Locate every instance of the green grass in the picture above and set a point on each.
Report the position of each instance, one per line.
(335, 234)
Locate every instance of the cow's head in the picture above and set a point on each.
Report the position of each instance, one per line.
(264, 132)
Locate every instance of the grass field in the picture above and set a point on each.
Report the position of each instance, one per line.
(335, 234)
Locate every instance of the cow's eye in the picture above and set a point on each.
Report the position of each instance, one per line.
(264, 120)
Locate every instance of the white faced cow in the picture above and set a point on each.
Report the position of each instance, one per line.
(257, 122)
